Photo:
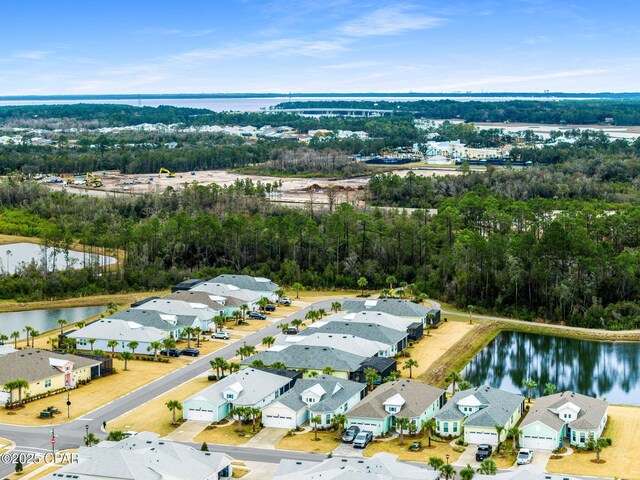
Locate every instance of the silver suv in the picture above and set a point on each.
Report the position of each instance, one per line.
(363, 439)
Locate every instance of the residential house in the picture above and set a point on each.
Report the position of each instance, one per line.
(247, 297)
(397, 339)
(249, 387)
(563, 417)
(261, 286)
(121, 330)
(412, 327)
(203, 312)
(174, 324)
(403, 398)
(186, 285)
(345, 342)
(45, 370)
(382, 466)
(397, 307)
(323, 396)
(314, 359)
(476, 412)
(144, 456)
(528, 472)
(228, 305)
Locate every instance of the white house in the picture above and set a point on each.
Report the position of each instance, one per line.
(121, 330)
(249, 297)
(144, 457)
(345, 342)
(263, 287)
(202, 312)
(562, 417)
(246, 388)
(323, 396)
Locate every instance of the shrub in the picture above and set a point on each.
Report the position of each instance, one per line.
(212, 378)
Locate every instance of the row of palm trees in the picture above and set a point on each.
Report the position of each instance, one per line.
(447, 471)
(18, 384)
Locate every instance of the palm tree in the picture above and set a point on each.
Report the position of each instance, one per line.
(409, 364)
(297, 287)
(62, 322)
(279, 293)
(467, 473)
(338, 421)
(499, 430)
(429, 426)
(219, 364)
(174, 405)
(244, 308)
(402, 423)
(91, 342)
(112, 307)
(112, 344)
(90, 440)
(28, 330)
(488, 467)
(254, 413)
(448, 471)
(453, 377)
(336, 307)
(80, 324)
(550, 389)
(15, 336)
(257, 363)
(436, 463)
(328, 370)
(233, 367)
(249, 350)
(278, 366)
(391, 280)
(464, 385)
(599, 445)
(529, 385)
(362, 284)
(514, 432)
(19, 384)
(321, 313)
(262, 303)
(34, 334)
(188, 331)
(168, 343)
(133, 345)
(315, 420)
(392, 377)
(197, 331)
(371, 376)
(53, 342)
(237, 316)
(219, 321)
(241, 352)
(471, 308)
(297, 323)
(125, 357)
(154, 346)
(284, 327)
(238, 413)
(10, 387)
(268, 341)
(98, 352)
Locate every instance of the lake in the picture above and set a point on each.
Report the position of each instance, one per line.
(599, 369)
(44, 320)
(17, 255)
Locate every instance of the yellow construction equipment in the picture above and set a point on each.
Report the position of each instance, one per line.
(92, 181)
(166, 170)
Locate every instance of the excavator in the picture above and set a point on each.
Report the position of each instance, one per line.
(92, 181)
(166, 170)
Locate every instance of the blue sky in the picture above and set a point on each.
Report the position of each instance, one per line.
(193, 46)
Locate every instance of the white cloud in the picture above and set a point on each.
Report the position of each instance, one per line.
(31, 54)
(391, 20)
(178, 32)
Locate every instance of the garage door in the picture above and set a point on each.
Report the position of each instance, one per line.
(366, 426)
(277, 421)
(538, 443)
(200, 415)
(481, 437)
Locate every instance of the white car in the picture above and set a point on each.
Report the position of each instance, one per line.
(524, 456)
(221, 335)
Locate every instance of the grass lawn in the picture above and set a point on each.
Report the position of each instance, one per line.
(97, 393)
(317, 295)
(304, 442)
(227, 435)
(428, 349)
(438, 449)
(154, 416)
(505, 459)
(621, 458)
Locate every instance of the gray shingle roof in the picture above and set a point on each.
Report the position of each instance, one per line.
(339, 391)
(255, 284)
(121, 330)
(418, 397)
(224, 290)
(589, 418)
(33, 364)
(194, 296)
(392, 306)
(315, 358)
(152, 318)
(499, 406)
(368, 331)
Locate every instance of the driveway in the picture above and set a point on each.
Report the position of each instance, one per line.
(187, 431)
(468, 457)
(267, 438)
(347, 450)
(541, 458)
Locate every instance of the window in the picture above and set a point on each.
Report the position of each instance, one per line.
(582, 437)
(446, 427)
(392, 409)
(573, 436)
(328, 418)
(47, 383)
(437, 424)
(229, 396)
(455, 427)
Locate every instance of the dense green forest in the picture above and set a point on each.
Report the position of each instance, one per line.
(575, 262)
(579, 112)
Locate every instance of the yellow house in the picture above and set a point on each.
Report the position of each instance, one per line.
(44, 370)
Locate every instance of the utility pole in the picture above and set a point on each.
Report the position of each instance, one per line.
(68, 404)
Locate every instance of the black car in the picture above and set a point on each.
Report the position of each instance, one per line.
(350, 434)
(290, 331)
(173, 352)
(257, 315)
(192, 352)
(484, 451)
(270, 308)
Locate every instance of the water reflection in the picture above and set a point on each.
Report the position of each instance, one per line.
(44, 320)
(604, 370)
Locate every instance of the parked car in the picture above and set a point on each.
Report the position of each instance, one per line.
(350, 434)
(286, 301)
(221, 335)
(191, 352)
(291, 331)
(524, 456)
(484, 451)
(270, 307)
(363, 439)
(257, 315)
(173, 352)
